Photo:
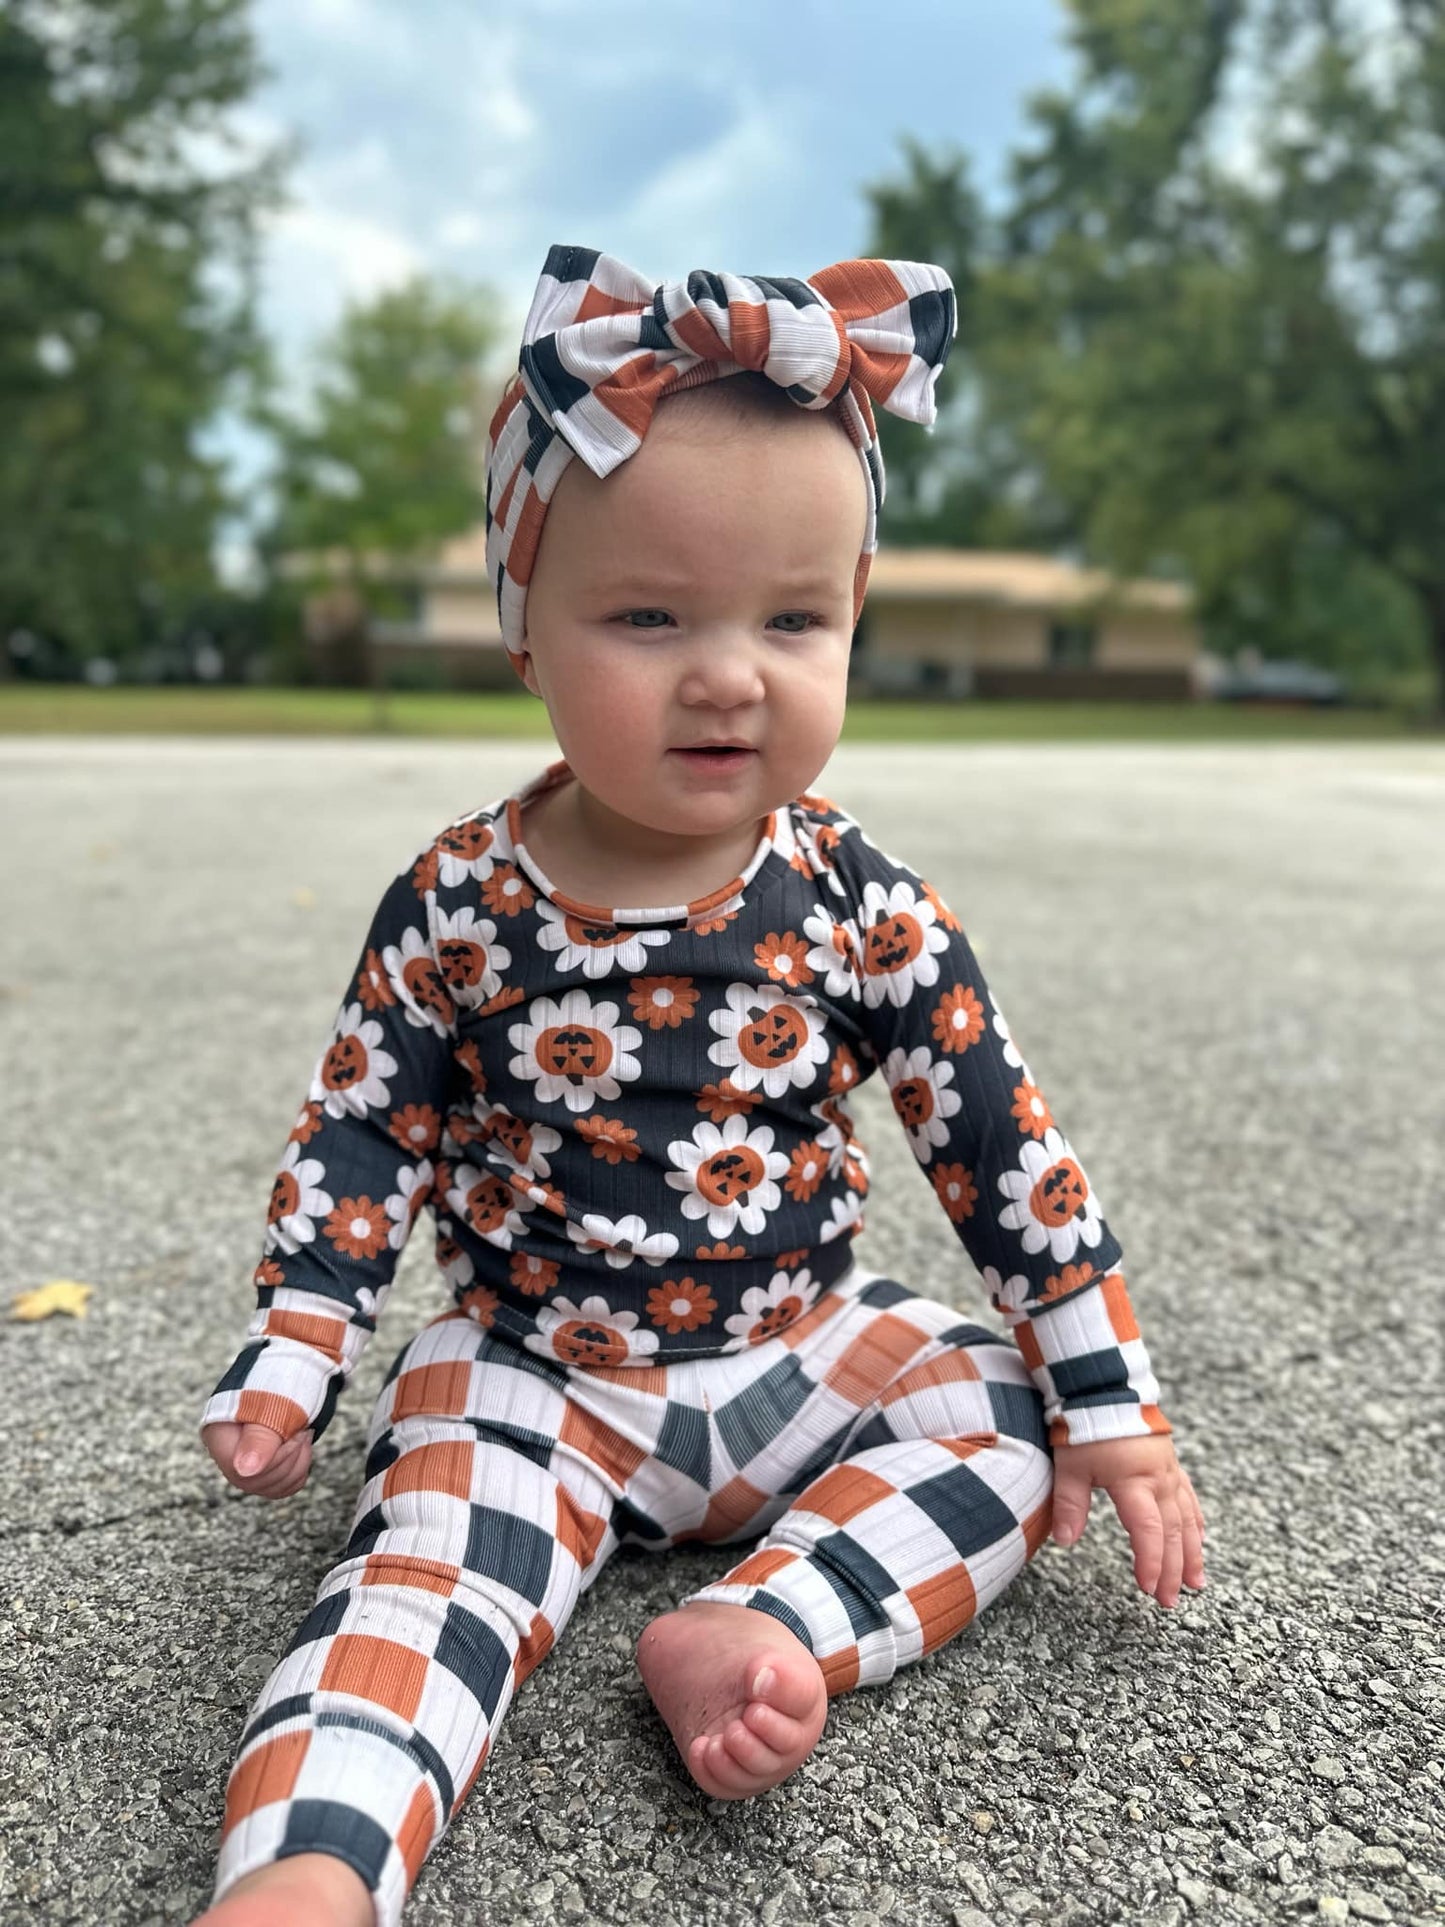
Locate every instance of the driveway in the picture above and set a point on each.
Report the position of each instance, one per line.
(1224, 965)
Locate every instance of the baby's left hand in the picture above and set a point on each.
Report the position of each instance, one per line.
(1153, 1498)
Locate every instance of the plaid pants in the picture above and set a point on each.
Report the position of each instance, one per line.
(894, 1456)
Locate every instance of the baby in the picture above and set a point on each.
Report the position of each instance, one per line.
(605, 1029)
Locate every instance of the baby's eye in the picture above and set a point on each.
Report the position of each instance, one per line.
(798, 615)
(647, 612)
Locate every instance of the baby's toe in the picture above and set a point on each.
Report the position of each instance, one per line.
(790, 1684)
(776, 1730)
(755, 1756)
(726, 1773)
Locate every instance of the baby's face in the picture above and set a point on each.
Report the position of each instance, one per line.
(702, 591)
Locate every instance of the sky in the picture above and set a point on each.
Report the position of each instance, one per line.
(465, 137)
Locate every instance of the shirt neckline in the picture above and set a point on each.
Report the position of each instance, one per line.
(559, 772)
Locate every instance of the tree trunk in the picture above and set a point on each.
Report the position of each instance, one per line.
(1435, 629)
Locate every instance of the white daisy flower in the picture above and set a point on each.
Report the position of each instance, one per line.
(351, 1074)
(768, 1311)
(1011, 1053)
(847, 1211)
(1007, 1294)
(589, 1334)
(769, 1040)
(918, 1083)
(598, 949)
(417, 979)
(470, 956)
(727, 1176)
(901, 940)
(1051, 1201)
(623, 1242)
(575, 1051)
(297, 1201)
(835, 952)
(413, 1183)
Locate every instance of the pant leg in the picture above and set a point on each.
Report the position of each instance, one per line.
(476, 1532)
(940, 1493)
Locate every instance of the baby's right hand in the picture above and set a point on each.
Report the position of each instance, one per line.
(272, 1468)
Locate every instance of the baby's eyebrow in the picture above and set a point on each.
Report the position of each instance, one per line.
(672, 584)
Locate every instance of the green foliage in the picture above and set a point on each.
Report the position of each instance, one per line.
(1229, 369)
(387, 460)
(117, 342)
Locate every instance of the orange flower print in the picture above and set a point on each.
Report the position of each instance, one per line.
(723, 1100)
(940, 909)
(811, 800)
(806, 1171)
(417, 1127)
(547, 1195)
(506, 891)
(358, 1227)
(610, 1138)
(958, 1018)
(470, 1059)
(855, 1173)
(1061, 1283)
(720, 1251)
(307, 1124)
(834, 1112)
(786, 1258)
(709, 926)
(424, 871)
(532, 1275)
(783, 958)
(843, 1071)
(480, 1303)
(1031, 1109)
(957, 1192)
(268, 1272)
(677, 1304)
(373, 986)
(657, 1001)
(797, 861)
(465, 1127)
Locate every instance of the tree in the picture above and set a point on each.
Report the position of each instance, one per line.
(119, 341)
(387, 460)
(1231, 366)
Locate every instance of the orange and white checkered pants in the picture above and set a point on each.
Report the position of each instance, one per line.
(893, 1455)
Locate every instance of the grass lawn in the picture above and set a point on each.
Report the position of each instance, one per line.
(27, 708)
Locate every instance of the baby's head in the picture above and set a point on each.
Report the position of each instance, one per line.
(701, 592)
(683, 488)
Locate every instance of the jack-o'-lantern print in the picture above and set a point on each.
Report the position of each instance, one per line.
(470, 958)
(575, 1051)
(729, 1176)
(486, 1204)
(900, 943)
(526, 1147)
(353, 1070)
(834, 954)
(298, 1201)
(768, 1311)
(464, 852)
(416, 973)
(768, 1041)
(597, 949)
(590, 1334)
(920, 1086)
(1051, 1204)
(456, 1265)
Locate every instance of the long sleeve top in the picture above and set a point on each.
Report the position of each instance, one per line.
(631, 1125)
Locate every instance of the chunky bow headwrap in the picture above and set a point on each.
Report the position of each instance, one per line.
(601, 345)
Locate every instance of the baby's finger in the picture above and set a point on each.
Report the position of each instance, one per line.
(1193, 1555)
(1138, 1510)
(1167, 1592)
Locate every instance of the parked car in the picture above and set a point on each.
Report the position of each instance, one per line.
(1278, 681)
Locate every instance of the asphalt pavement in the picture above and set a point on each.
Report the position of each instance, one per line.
(1226, 968)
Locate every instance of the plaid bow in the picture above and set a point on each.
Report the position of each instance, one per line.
(601, 345)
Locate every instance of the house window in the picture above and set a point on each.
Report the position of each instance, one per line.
(1071, 645)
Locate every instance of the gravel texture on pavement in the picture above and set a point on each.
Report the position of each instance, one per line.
(1224, 966)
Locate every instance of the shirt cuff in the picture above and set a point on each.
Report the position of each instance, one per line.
(1088, 1360)
(291, 1372)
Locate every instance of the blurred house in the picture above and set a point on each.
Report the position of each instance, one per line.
(944, 622)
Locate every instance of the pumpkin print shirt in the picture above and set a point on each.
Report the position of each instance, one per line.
(632, 1129)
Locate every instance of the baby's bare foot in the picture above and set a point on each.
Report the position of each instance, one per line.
(304, 1890)
(742, 1696)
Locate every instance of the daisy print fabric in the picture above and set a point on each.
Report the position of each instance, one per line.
(631, 1125)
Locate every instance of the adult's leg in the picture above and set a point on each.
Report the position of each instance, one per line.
(937, 1494)
(477, 1531)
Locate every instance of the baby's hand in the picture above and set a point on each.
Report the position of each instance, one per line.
(1153, 1498)
(255, 1459)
